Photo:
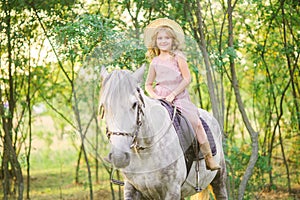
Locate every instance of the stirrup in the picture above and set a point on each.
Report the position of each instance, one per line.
(198, 189)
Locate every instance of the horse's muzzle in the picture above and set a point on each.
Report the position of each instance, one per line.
(119, 159)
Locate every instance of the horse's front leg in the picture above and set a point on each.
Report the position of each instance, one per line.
(174, 193)
(130, 193)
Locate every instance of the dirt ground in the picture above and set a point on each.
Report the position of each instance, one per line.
(279, 194)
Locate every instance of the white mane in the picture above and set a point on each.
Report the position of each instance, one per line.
(118, 84)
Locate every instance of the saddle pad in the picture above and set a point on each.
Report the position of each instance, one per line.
(186, 135)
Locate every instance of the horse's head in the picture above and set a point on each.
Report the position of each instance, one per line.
(122, 101)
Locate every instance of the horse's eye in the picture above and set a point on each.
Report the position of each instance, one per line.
(134, 105)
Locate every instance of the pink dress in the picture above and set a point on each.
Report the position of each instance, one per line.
(168, 77)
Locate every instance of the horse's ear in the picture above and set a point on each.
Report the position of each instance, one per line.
(139, 73)
(103, 73)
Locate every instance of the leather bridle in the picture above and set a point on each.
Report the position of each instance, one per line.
(140, 112)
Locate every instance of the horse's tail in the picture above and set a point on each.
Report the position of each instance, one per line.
(205, 194)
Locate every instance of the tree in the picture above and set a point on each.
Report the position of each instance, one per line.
(16, 92)
(245, 62)
(253, 134)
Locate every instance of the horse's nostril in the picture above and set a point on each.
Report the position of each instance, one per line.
(119, 159)
(127, 155)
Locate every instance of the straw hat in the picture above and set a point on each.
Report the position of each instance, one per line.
(150, 30)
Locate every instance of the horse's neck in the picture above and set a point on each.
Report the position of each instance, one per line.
(155, 113)
(156, 120)
(159, 138)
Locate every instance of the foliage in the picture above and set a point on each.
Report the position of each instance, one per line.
(78, 37)
(89, 34)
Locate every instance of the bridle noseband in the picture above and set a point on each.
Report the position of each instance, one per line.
(140, 112)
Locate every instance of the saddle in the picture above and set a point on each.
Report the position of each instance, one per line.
(186, 135)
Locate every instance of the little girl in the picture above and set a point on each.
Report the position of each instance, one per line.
(169, 76)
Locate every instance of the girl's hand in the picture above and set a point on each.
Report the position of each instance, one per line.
(170, 98)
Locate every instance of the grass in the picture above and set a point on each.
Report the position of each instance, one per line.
(59, 184)
(52, 176)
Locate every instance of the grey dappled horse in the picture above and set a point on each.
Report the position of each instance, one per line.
(144, 144)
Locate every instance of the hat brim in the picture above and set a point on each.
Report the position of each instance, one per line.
(150, 30)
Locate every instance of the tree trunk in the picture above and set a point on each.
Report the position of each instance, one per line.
(289, 62)
(10, 165)
(203, 48)
(291, 72)
(78, 166)
(253, 134)
(75, 106)
(28, 149)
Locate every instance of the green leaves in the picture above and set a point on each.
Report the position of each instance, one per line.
(79, 37)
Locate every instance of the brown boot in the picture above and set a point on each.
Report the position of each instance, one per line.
(209, 160)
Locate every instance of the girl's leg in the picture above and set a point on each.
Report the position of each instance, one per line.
(204, 144)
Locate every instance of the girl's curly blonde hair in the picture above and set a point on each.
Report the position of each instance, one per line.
(153, 50)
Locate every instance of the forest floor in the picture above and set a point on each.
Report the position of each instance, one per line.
(49, 183)
(280, 194)
(60, 185)
(53, 166)
(53, 177)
